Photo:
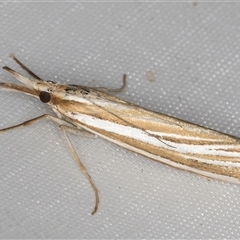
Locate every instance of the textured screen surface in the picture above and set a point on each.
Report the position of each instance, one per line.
(182, 59)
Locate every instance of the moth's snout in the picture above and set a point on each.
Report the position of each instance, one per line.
(6, 68)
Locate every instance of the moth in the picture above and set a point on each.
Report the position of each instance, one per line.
(157, 136)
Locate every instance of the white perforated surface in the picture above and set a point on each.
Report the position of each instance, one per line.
(182, 59)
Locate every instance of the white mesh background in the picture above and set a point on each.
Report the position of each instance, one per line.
(182, 59)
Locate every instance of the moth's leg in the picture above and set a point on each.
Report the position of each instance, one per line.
(34, 120)
(65, 128)
(25, 68)
(116, 90)
(74, 130)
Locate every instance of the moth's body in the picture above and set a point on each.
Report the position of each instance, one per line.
(157, 136)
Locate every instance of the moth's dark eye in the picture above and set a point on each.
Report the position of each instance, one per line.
(45, 96)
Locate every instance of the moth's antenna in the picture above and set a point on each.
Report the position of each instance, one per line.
(25, 68)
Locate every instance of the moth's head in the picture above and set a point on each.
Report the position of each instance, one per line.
(46, 91)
